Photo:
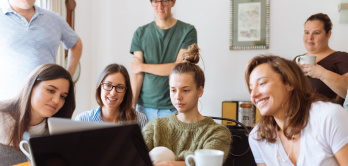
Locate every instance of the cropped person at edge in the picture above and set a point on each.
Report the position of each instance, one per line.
(48, 92)
(329, 76)
(297, 126)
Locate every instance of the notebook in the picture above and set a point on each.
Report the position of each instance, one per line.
(96, 145)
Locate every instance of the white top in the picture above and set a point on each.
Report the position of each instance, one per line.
(7, 124)
(325, 134)
(38, 130)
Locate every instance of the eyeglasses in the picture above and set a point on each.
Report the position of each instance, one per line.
(156, 3)
(109, 87)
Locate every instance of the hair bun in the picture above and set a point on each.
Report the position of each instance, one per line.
(191, 55)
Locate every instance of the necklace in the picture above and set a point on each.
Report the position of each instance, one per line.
(289, 153)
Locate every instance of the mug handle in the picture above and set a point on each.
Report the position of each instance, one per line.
(298, 59)
(21, 146)
(187, 159)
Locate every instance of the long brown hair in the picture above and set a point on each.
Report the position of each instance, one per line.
(301, 98)
(126, 112)
(190, 58)
(19, 108)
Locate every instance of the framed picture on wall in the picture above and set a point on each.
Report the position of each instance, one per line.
(249, 24)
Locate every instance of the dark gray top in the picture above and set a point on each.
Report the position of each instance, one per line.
(10, 156)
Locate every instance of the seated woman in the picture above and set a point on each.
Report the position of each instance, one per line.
(114, 97)
(187, 131)
(297, 127)
(329, 76)
(49, 91)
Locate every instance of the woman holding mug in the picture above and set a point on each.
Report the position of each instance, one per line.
(114, 97)
(183, 133)
(327, 77)
(48, 92)
(297, 126)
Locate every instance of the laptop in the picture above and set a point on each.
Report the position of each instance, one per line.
(97, 145)
(63, 125)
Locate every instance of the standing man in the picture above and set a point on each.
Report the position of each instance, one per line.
(30, 36)
(157, 47)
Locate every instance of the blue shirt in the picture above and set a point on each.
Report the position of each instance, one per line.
(25, 45)
(95, 116)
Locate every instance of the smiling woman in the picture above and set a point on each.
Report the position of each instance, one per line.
(298, 127)
(114, 97)
(48, 92)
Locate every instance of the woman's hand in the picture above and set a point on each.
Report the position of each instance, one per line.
(314, 71)
(337, 83)
(171, 163)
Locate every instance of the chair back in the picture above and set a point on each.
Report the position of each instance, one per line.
(240, 153)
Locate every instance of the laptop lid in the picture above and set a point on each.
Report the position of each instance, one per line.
(121, 145)
(63, 125)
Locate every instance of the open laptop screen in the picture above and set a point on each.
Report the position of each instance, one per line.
(120, 145)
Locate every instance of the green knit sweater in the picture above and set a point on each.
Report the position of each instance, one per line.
(184, 138)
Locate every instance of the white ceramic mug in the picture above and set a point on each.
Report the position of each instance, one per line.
(26, 150)
(305, 59)
(206, 157)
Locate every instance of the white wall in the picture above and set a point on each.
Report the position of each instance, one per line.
(107, 26)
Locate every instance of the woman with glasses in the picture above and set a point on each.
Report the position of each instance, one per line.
(114, 97)
(298, 126)
(48, 92)
(156, 48)
(174, 137)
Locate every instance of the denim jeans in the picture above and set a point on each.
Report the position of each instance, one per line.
(152, 113)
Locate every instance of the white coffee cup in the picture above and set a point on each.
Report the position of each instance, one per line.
(305, 59)
(206, 157)
(25, 148)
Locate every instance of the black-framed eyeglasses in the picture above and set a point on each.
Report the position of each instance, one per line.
(155, 3)
(109, 87)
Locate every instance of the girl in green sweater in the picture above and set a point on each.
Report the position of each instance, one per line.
(183, 133)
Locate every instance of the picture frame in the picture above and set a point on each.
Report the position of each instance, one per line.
(249, 24)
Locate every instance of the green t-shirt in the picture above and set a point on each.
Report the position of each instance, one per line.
(160, 46)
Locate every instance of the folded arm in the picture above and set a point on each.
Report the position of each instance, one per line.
(171, 163)
(137, 77)
(138, 65)
(337, 83)
(261, 164)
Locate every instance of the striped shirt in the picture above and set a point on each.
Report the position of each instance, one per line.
(95, 116)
